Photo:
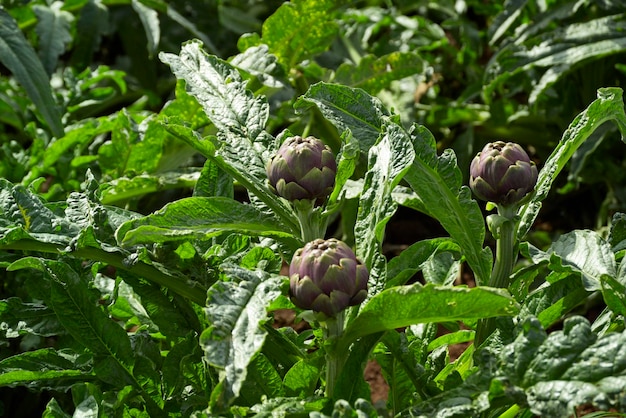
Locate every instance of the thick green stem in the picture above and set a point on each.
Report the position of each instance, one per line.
(312, 224)
(503, 266)
(511, 412)
(333, 328)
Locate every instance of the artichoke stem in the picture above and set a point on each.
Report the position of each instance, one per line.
(503, 266)
(312, 226)
(333, 328)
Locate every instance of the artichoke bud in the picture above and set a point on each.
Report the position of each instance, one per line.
(326, 277)
(502, 173)
(303, 168)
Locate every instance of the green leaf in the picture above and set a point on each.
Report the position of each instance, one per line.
(93, 23)
(373, 73)
(122, 189)
(54, 410)
(301, 380)
(24, 215)
(416, 304)
(76, 308)
(299, 30)
(183, 366)
(19, 57)
(388, 162)
(608, 106)
(560, 51)
(581, 251)
(614, 294)
(131, 152)
(53, 31)
(213, 182)
(19, 318)
(242, 146)
(161, 308)
(403, 370)
(262, 382)
(44, 369)
(77, 136)
(571, 367)
(202, 218)
(403, 266)
(220, 90)
(439, 193)
(617, 235)
(235, 310)
(258, 62)
(551, 302)
(347, 108)
(150, 22)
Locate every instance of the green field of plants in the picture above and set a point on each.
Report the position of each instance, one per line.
(232, 208)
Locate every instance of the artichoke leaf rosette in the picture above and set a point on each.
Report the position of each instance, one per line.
(326, 277)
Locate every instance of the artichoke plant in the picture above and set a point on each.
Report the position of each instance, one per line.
(326, 277)
(502, 173)
(303, 168)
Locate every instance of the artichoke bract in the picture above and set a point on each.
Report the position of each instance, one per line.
(326, 277)
(502, 173)
(303, 168)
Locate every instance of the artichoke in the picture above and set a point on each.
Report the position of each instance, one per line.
(502, 173)
(303, 168)
(326, 277)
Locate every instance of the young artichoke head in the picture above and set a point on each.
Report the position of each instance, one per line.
(326, 277)
(502, 173)
(303, 168)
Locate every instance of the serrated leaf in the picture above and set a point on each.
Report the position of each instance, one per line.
(402, 369)
(20, 318)
(123, 188)
(220, 90)
(202, 218)
(241, 147)
(614, 294)
(301, 379)
(183, 366)
(416, 304)
(403, 266)
(235, 309)
(260, 63)
(439, 193)
(608, 106)
(151, 25)
(20, 58)
(581, 251)
(75, 306)
(262, 382)
(373, 73)
(347, 108)
(617, 235)
(53, 31)
(299, 30)
(559, 51)
(574, 367)
(43, 369)
(23, 215)
(388, 161)
(92, 24)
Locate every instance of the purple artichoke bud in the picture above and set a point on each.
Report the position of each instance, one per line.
(502, 173)
(326, 277)
(303, 168)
